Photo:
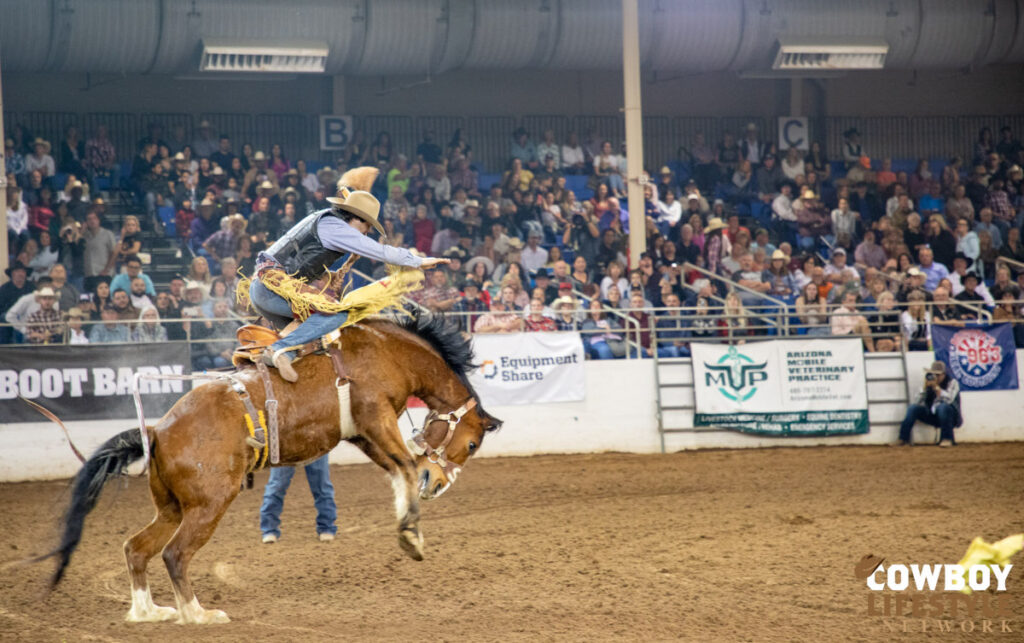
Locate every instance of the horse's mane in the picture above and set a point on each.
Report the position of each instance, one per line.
(445, 337)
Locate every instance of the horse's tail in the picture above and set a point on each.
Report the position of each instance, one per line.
(109, 461)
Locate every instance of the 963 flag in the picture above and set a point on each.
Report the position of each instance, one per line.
(980, 358)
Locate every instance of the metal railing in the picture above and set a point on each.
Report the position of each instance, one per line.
(663, 324)
(1013, 263)
(782, 323)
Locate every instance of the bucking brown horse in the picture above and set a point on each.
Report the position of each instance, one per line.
(199, 456)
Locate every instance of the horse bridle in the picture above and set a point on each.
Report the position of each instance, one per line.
(418, 442)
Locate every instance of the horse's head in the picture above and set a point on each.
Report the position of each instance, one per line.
(444, 444)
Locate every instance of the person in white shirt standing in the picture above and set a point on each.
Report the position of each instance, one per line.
(533, 257)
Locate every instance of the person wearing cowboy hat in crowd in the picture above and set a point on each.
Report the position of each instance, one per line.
(257, 175)
(76, 332)
(937, 404)
(293, 181)
(716, 245)
(979, 293)
(320, 240)
(470, 306)
(852, 148)
(40, 159)
(44, 325)
(204, 225)
(218, 181)
(969, 294)
(456, 256)
(19, 286)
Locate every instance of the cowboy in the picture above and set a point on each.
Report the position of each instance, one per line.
(305, 253)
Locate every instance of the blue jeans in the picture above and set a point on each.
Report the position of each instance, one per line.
(600, 350)
(671, 350)
(944, 417)
(318, 475)
(279, 312)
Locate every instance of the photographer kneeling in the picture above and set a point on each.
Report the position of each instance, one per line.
(937, 404)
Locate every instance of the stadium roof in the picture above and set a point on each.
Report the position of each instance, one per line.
(406, 37)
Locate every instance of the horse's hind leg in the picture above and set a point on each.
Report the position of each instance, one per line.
(385, 448)
(198, 521)
(143, 546)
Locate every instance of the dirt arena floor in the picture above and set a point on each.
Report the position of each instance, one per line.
(706, 546)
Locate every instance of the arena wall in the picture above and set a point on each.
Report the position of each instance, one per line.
(620, 414)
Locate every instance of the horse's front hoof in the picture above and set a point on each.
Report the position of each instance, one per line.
(411, 542)
(193, 614)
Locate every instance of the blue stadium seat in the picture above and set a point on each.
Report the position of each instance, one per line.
(166, 214)
(485, 181)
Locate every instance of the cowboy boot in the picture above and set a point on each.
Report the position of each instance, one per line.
(282, 362)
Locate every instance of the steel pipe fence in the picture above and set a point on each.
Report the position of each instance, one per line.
(896, 136)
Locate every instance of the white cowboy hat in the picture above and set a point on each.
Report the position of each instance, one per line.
(45, 291)
(714, 223)
(44, 143)
(259, 156)
(484, 260)
(362, 204)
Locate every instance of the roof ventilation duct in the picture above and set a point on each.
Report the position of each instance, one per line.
(221, 55)
(836, 53)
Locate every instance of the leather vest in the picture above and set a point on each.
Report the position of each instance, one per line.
(300, 250)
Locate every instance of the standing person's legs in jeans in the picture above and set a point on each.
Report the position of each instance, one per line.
(319, 478)
(318, 475)
(273, 500)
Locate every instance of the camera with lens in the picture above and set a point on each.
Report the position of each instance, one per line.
(930, 377)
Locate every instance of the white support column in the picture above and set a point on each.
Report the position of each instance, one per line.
(634, 130)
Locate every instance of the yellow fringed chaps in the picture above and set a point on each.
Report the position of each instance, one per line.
(359, 303)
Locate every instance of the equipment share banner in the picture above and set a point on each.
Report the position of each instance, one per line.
(529, 368)
(90, 382)
(979, 357)
(788, 388)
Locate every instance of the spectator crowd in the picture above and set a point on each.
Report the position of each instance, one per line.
(741, 236)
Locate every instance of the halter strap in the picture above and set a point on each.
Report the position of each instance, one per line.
(418, 442)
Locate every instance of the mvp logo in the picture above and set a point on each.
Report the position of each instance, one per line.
(735, 375)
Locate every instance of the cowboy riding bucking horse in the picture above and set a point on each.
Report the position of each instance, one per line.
(283, 285)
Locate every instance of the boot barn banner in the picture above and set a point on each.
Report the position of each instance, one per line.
(89, 382)
(980, 358)
(528, 368)
(787, 388)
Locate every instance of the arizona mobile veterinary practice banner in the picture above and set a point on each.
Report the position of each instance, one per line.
(808, 387)
(89, 382)
(528, 368)
(980, 357)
